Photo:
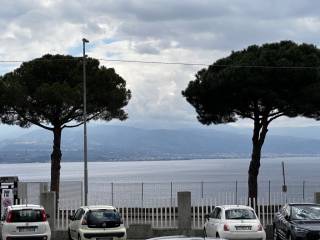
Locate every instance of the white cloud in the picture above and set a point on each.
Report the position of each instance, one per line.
(156, 30)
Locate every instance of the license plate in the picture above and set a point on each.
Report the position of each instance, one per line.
(26, 229)
(105, 238)
(243, 227)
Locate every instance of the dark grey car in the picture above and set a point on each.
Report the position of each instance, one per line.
(297, 221)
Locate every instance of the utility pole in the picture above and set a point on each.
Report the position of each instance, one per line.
(85, 152)
(284, 187)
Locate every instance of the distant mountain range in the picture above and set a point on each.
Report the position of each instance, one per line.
(118, 143)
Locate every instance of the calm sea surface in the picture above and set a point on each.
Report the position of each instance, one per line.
(296, 168)
(139, 181)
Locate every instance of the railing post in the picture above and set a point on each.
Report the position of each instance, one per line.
(201, 189)
(171, 194)
(48, 201)
(236, 192)
(303, 189)
(269, 192)
(184, 212)
(142, 194)
(317, 197)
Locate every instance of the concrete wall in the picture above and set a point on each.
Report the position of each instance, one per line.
(48, 201)
(184, 212)
(317, 197)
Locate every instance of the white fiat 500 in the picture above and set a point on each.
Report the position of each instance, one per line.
(96, 223)
(234, 222)
(25, 222)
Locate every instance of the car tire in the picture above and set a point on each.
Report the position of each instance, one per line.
(217, 235)
(204, 233)
(275, 234)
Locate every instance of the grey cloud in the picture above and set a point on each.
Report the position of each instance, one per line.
(170, 30)
(146, 48)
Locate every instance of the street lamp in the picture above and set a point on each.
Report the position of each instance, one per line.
(85, 153)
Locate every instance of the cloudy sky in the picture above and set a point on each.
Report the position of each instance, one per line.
(190, 31)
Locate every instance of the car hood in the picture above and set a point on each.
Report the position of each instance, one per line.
(311, 225)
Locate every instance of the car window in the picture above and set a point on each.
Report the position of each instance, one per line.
(305, 212)
(95, 217)
(239, 213)
(79, 214)
(26, 215)
(287, 210)
(214, 213)
(218, 213)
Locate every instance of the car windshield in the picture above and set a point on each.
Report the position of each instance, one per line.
(240, 214)
(26, 215)
(102, 215)
(306, 212)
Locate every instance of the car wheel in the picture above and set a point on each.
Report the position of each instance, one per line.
(204, 232)
(217, 235)
(275, 234)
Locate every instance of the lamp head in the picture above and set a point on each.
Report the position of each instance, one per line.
(85, 40)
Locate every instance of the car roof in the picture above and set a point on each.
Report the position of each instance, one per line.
(96, 207)
(25, 206)
(227, 207)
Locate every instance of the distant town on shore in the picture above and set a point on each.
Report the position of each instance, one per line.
(122, 143)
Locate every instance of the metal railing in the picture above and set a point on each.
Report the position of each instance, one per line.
(142, 194)
(163, 213)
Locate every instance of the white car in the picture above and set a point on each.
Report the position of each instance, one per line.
(181, 237)
(25, 222)
(96, 223)
(234, 222)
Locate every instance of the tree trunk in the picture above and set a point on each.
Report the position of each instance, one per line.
(259, 133)
(55, 162)
(254, 171)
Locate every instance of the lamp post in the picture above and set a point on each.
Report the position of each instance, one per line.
(85, 153)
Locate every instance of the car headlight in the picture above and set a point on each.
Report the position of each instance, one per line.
(299, 229)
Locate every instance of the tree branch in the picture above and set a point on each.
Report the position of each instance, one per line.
(244, 115)
(40, 125)
(73, 126)
(77, 125)
(33, 121)
(276, 116)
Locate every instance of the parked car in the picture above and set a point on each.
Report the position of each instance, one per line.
(96, 222)
(233, 222)
(297, 221)
(25, 222)
(181, 237)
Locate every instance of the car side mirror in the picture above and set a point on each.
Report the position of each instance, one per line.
(71, 217)
(48, 216)
(207, 217)
(287, 217)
